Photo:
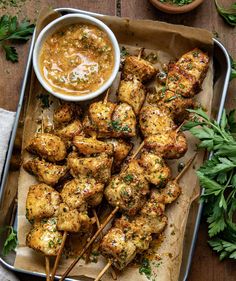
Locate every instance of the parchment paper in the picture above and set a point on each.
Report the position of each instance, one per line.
(168, 42)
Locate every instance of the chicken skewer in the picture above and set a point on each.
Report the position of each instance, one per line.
(154, 207)
(83, 165)
(103, 225)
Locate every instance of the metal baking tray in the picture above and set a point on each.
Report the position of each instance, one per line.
(8, 184)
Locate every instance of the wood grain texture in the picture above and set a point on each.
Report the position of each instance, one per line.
(206, 265)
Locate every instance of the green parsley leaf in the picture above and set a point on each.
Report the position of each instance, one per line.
(11, 53)
(11, 240)
(11, 30)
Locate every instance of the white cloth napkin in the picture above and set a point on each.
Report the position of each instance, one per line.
(6, 122)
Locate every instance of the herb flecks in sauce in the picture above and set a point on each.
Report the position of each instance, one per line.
(77, 59)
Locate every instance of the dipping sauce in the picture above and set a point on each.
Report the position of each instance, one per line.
(77, 59)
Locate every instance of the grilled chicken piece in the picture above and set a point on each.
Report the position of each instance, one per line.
(68, 132)
(42, 202)
(100, 114)
(128, 189)
(80, 190)
(123, 121)
(132, 91)
(65, 113)
(44, 237)
(139, 68)
(195, 63)
(177, 105)
(72, 220)
(172, 145)
(88, 127)
(121, 150)
(154, 120)
(98, 167)
(44, 171)
(181, 82)
(68, 219)
(117, 248)
(168, 194)
(156, 170)
(48, 146)
(89, 146)
(186, 76)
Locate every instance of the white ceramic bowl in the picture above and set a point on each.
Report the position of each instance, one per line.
(52, 28)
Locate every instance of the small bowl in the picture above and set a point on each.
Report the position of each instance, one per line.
(62, 22)
(175, 9)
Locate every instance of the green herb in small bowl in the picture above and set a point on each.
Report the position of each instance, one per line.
(176, 6)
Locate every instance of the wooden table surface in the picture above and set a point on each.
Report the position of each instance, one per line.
(205, 265)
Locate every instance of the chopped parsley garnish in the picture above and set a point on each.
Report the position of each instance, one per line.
(145, 268)
(45, 102)
(123, 52)
(177, 2)
(128, 178)
(116, 126)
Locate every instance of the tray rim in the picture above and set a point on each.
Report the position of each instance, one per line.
(15, 126)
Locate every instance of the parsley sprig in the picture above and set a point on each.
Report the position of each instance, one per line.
(11, 30)
(11, 240)
(218, 177)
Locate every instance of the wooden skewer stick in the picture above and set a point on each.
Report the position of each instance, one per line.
(180, 126)
(108, 265)
(106, 96)
(59, 254)
(98, 226)
(103, 225)
(190, 161)
(140, 53)
(113, 273)
(47, 267)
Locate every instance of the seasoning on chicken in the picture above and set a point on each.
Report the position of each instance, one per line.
(88, 146)
(171, 145)
(44, 237)
(154, 121)
(46, 172)
(116, 247)
(185, 77)
(156, 170)
(42, 202)
(71, 220)
(80, 190)
(100, 114)
(177, 105)
(128, 190)
(123, 122)
(140, 68)
(168, 194)
(121, 150)
(88, 127)
(65, 113)
(195, 63)
(132, 91)
(48, 146)
(98, 167)
(130, 236)
(68, 132)
(180, 82)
